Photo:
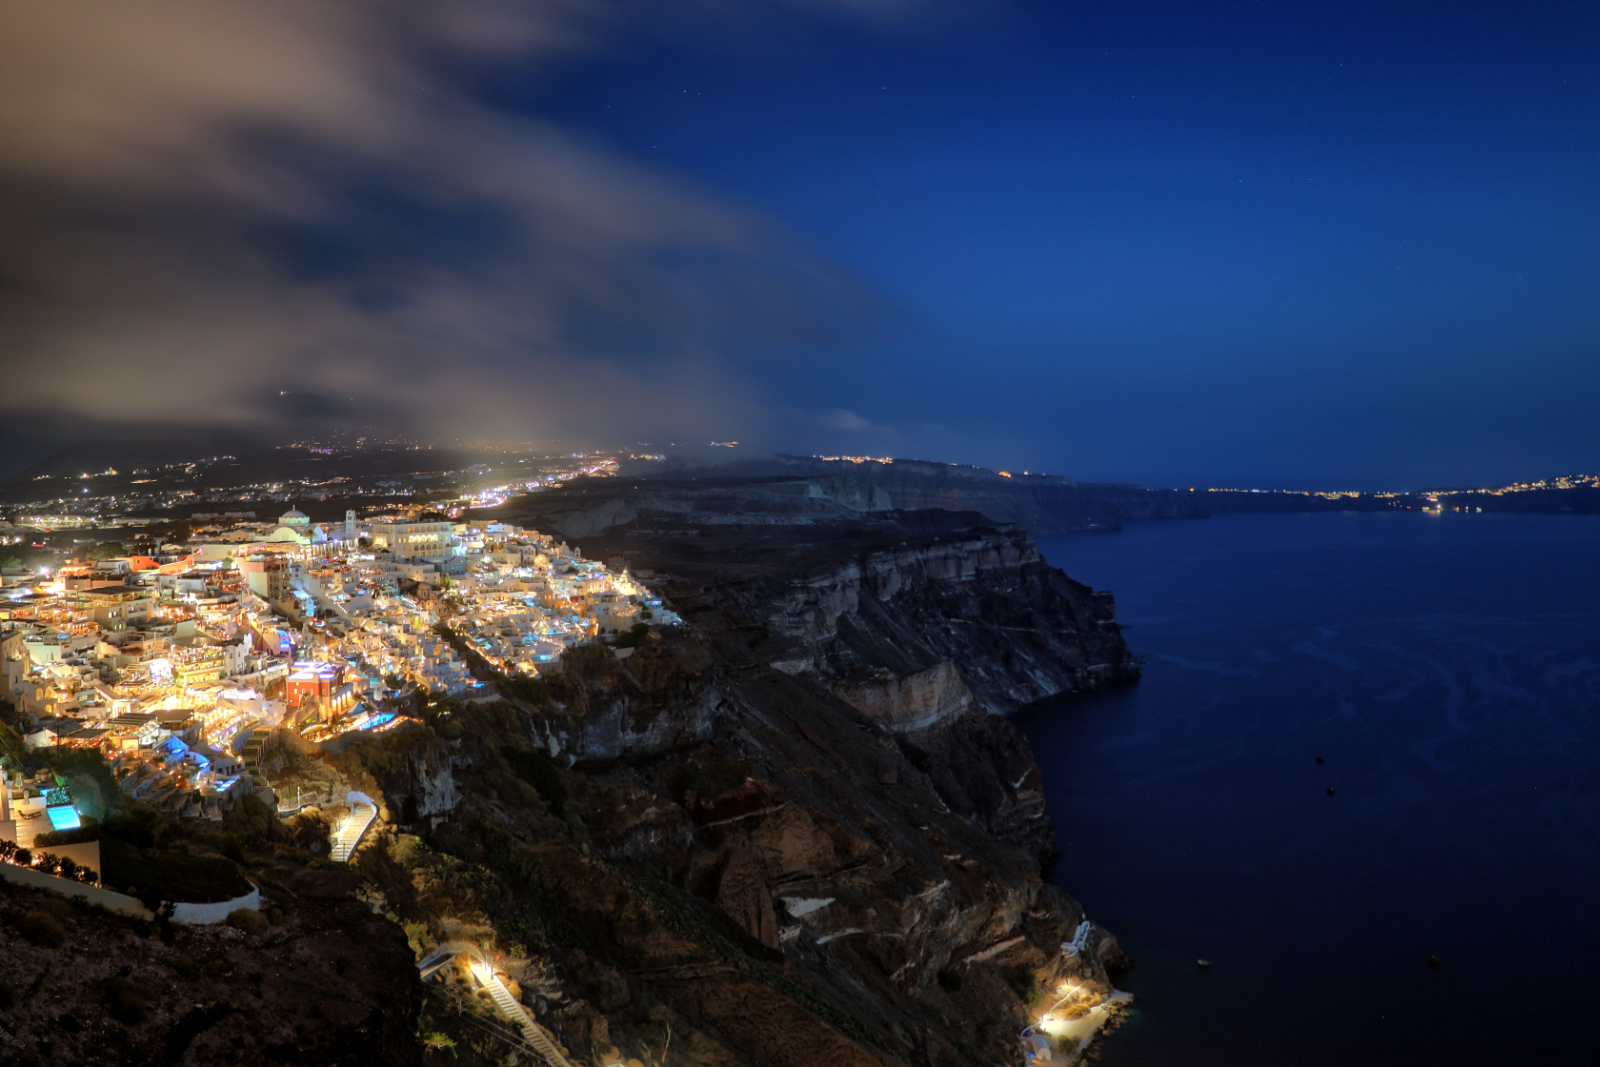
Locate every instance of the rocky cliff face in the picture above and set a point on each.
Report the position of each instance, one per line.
(1042, 503)
(909, 616)
(917, 630)
(414, 775)
(590, 508)
(790, 832)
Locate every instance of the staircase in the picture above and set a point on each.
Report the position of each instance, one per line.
(532, 1033)
(361, 816)
(255, 746)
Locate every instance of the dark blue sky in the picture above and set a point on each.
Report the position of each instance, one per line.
(1274, 243)
(1347, 245)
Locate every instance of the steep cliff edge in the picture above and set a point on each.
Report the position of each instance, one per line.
(788, 832)
(1044, 503)
(908, 615)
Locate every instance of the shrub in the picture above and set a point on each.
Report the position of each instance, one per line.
(434, 1041)
(42, 929)
(529, 690)
(540, 771)
(185, 966)
(249, 920)
(54, 905)
(139, 827)
(634, 637)
(233, 848)
(170, 874)
(90, 831)
(24, 857)
(126, 1000)
(1025, 984)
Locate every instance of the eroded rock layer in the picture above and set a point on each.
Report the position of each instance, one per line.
(790, 831)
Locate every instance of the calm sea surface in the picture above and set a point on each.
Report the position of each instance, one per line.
(1447, 669)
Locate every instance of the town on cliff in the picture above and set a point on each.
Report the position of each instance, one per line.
(606, 762)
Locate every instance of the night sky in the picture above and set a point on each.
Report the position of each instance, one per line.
(1349, 245)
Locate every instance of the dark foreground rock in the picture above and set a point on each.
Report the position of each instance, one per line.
(327, 983)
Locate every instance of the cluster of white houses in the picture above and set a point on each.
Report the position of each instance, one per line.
(176, 667)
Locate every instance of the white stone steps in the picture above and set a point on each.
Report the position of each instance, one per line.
(361, 816)
(532, 1033)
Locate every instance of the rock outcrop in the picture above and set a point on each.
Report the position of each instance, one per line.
(327, 983)
(905, 613)
(412, 769)
(790, 831)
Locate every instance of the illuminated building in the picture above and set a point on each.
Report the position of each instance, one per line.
(323, 684)
(410, 539)
(268, 578)
(191, 666)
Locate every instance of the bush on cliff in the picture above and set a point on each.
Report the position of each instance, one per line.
(540, 771)
(531, 691)
(634, 637)
(126, 1000)
(43, 929)
(157, 874)
(249, 920)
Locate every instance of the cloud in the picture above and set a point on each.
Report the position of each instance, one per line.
(204, 202)
(847, 421)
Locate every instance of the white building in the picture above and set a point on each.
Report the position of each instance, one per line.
(411, 539)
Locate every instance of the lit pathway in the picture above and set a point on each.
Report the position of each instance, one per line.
(532, 1033)
(362, 812)
(1039, 1038)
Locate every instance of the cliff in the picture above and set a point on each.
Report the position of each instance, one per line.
(787, 832)
(909, 617)
(1043, 503)
(790, 831)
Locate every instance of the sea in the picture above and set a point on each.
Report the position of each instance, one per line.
(1440, 675)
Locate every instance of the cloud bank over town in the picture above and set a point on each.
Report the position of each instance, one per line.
(203, 205)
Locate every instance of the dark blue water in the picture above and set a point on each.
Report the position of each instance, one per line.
(1448, 670)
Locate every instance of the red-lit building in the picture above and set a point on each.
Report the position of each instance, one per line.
(317, 680)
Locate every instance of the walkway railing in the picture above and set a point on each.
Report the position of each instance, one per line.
(362, 812)
(534, 1038)
(532, 1033)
